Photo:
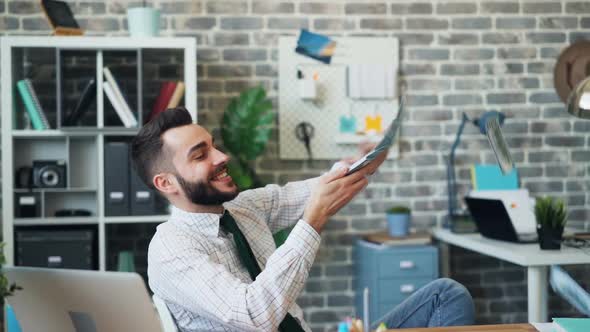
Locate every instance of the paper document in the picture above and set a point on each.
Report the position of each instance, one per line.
(543, 327)
(384, 144)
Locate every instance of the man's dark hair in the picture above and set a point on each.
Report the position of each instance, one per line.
(146, 148)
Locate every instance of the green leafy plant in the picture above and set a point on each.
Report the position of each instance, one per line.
(399, 210)
(6, 288)
(245, 130)
(551, 212)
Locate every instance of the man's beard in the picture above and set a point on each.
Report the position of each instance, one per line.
(203, 193)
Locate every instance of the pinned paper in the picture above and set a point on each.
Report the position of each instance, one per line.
(372, 81)
(347, 124)
(373, 124)
(315, 46)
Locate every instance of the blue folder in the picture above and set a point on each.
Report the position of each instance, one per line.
(490, 177)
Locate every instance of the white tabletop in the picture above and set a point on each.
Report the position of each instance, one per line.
(521, 254)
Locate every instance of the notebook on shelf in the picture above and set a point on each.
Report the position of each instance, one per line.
(32, 105)
(167, 89)
(176, 96)
(120, 99)
(111, 95)
(86, 98)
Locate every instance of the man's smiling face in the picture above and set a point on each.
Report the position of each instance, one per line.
(201, 169)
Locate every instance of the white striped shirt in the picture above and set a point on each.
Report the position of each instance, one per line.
(195, 268)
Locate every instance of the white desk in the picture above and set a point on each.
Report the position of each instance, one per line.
(528, 255)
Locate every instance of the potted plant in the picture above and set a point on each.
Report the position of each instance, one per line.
(245, 129)
(551, 214)
(398, 221)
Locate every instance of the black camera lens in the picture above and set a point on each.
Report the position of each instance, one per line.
(50, 178)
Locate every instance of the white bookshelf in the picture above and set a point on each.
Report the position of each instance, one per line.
(81, 147)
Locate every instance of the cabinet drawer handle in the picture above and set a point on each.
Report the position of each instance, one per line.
(407, 289)
(406, 265)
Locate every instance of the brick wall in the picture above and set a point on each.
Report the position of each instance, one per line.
(457, 56)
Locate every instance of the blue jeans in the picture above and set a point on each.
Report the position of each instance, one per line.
(443, 302)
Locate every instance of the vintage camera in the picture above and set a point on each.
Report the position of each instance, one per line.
(49, 174)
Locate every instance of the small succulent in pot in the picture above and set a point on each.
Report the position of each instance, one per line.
(399, 210)
(551, 214)
(398, 220)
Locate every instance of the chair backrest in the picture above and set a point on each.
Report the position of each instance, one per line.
(166, 318)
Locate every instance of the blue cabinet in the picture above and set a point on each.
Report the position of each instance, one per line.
(392, 273)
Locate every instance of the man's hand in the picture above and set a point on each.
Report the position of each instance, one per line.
(333, 191)
(365, 148)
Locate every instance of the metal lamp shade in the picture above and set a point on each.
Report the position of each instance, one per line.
(498, 143)
(578, 103)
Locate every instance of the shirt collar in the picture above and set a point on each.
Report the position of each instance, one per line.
(205, 223)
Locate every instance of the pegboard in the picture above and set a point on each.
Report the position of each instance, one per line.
(332, 102)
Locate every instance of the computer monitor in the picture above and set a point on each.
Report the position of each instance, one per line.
(81, 301)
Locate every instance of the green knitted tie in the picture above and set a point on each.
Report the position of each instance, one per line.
(228, 224)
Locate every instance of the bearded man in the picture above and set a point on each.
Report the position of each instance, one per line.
(215, 263)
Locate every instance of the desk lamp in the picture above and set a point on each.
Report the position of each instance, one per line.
(572, 83)
(489, 124)
(578, 102)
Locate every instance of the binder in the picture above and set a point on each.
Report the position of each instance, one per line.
(143, 200)
(116, 171)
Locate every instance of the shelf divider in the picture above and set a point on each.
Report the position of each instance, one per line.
(139, 88)
(99, 87)
(58, 84)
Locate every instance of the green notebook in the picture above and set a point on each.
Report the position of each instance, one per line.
(32, 105)
(571, 324)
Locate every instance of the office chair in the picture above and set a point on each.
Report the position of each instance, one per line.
(168, 324)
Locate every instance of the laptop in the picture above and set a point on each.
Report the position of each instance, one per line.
(493, 221)
(64, 300)
(519, 205)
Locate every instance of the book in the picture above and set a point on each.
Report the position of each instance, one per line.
(87, 96)
(108, 90)
(37, 103)
(387, 140)
(119, 96)
(166, 92)
(176, 96)
(571, 324)
(490, 177)
(384, 238)
(32, 105)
